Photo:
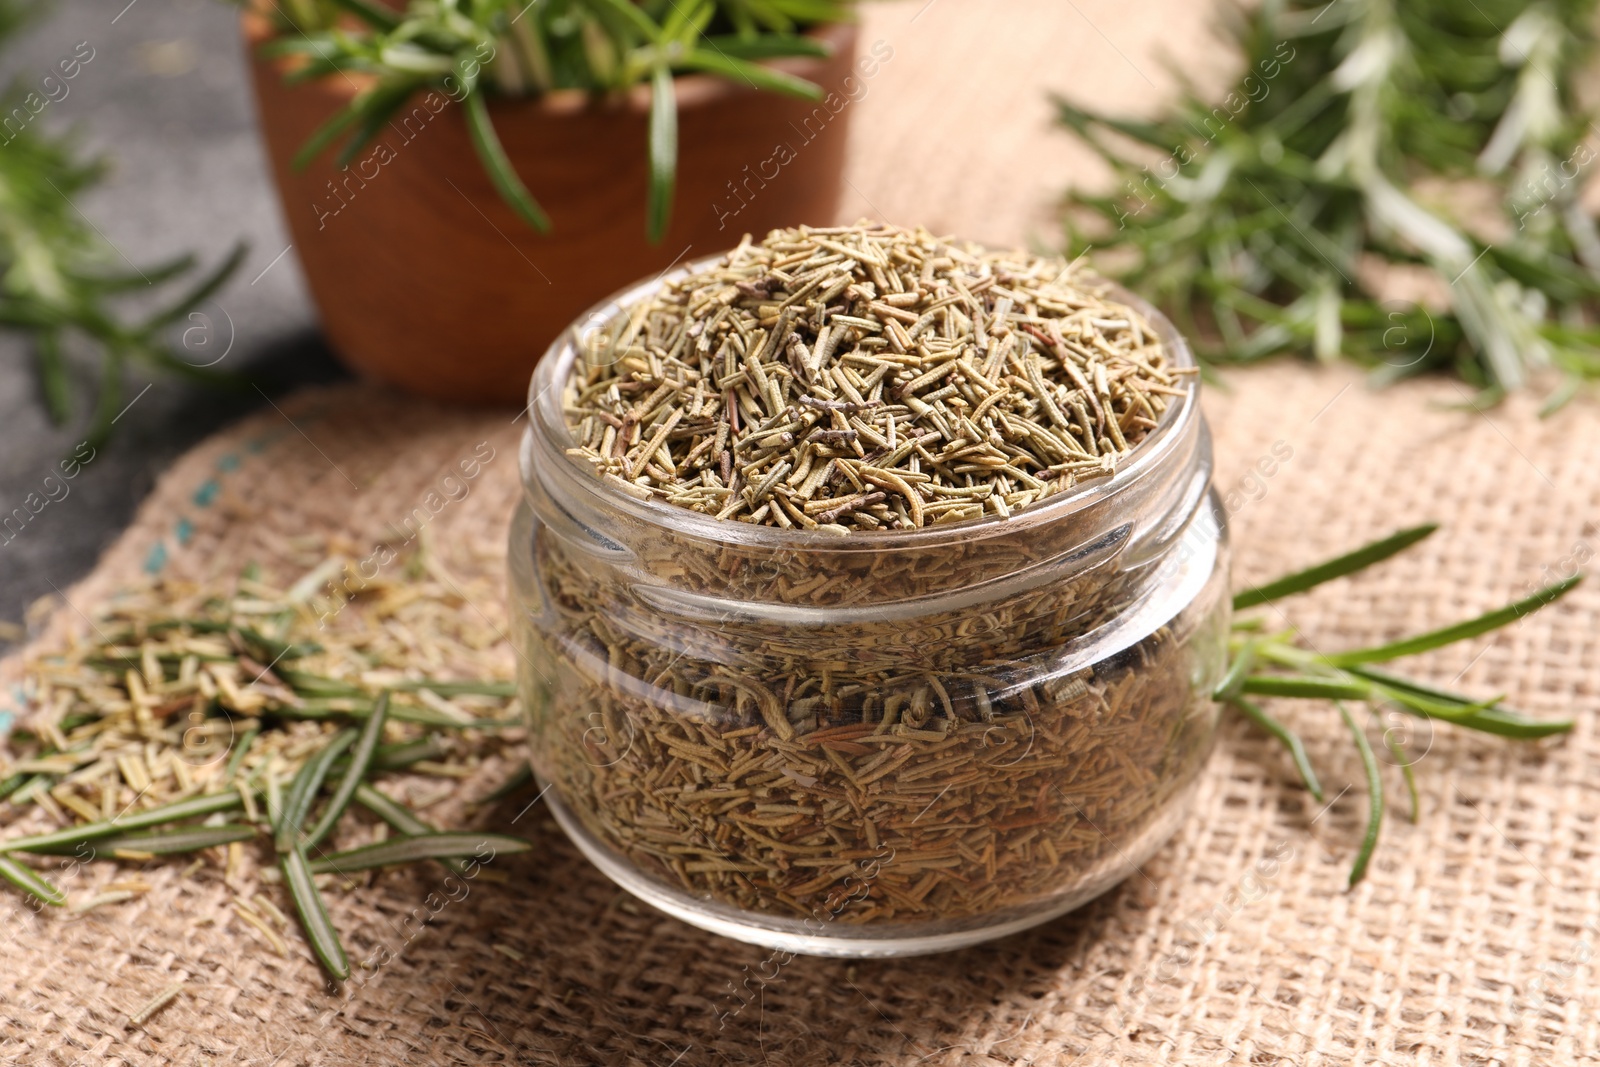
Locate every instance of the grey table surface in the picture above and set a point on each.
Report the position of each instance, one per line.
(165, 98)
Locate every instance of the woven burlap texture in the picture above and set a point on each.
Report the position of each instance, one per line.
(1469, 942)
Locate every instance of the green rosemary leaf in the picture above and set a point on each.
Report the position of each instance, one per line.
(631, 14)
(1287, 737)
(29, 881)
(53, 376)
(202, 291)
(744, 26)
(314, 919)
(1560, 396)
(1304, 685)
(1083, 123)
(391, 811)
(1458, 710)
(375, 15)
(143, 278)
(687, 20)
(597, 46)
(345, 708)
(194, 807)
(1561, 279)
(303, 790)
(449, 845)
(1243, 661)
(322, 66)
(187, 839)
(1433, 709)
(160, 843)
(264, 648)
(360, 759)
(240, 750)
(1338, 567)
(408, 57)
(1397, 683)
(663, 149)
(401, 818)
(770, 46)
(12, 784)
(377, 108)
(1399, 754)
(1461, 631)
(452, 689)
(274, 796)
(758, 76)
(487, 144)
(327, 133)
(776, 12)
(1369, 840)
(316, 44)
(308, 684)
(398, 756)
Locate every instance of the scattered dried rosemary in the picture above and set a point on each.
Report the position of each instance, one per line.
(868, 377)
(196, 719)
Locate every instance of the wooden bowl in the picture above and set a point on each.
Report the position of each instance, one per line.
(425, 279)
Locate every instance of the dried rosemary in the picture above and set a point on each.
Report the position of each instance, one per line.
(978, 790)
(200, 719)
(868, 377)
(876, 381)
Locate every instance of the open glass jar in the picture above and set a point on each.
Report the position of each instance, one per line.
(881, 743)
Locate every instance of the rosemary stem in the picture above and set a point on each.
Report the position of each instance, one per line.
(1369, 763)
(1406, 772)
(194, 807)
(360, 760)
(1287, 737)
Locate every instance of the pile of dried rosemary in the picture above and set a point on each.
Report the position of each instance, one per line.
(199, 720)
(868, 377)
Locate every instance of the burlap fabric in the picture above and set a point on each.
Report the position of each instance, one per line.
(1470, 941)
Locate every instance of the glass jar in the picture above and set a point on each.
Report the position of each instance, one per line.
(872, 744)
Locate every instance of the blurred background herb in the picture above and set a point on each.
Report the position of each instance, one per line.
(1336, 172)
(516, 48)
(61, 283)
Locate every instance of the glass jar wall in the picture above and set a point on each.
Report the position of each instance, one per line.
(876, 743)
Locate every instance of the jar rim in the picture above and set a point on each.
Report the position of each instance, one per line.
(548, 429)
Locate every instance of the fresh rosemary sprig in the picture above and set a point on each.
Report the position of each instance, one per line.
(366, 746)
(410, 849)
(1276, 217)
(1273, 664)
(465, 48)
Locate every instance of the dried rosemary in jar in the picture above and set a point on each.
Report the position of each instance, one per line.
(867, 378)
(870, 589)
